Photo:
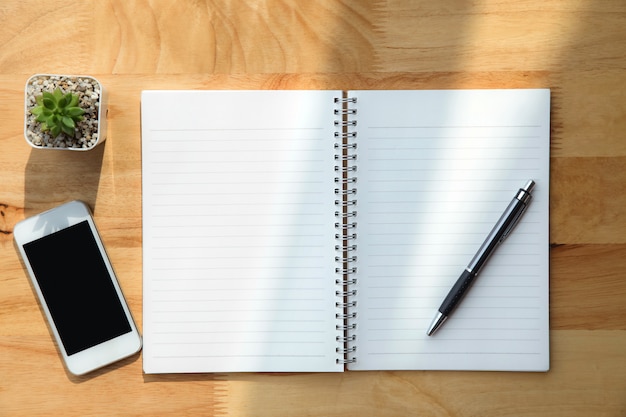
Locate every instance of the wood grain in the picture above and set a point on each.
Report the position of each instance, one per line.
(576, 48)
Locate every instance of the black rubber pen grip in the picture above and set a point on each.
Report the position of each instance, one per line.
(457, 292)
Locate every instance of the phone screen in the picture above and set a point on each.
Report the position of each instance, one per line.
(77, 287)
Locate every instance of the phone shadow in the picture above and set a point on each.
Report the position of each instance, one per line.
(54, 177)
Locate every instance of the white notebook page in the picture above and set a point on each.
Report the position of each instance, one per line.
(238, 236)
(436, 169)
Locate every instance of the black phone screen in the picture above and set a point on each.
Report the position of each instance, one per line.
(77, 288)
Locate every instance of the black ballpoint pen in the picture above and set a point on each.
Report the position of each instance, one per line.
(500, 231)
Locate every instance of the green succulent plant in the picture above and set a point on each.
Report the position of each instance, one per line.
(58, 112)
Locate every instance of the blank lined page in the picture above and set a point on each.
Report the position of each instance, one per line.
(436, 171)
(238, 231)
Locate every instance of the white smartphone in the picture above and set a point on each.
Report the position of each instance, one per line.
(77, 288)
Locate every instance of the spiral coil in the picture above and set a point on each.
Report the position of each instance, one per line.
(346, 226)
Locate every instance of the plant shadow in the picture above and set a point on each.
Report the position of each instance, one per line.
(49, 182)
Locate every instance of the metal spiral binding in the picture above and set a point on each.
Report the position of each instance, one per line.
(346, 226)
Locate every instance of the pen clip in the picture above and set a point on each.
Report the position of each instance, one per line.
(523, 197)
(509, 229)
(513, 223)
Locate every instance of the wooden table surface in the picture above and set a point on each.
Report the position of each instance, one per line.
(577, 48)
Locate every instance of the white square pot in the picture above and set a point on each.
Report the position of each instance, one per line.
(95, 118)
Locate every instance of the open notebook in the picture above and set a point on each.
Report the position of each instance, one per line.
(297, 231)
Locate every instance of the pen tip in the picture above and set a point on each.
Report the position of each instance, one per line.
(436, 323)
(529, 185)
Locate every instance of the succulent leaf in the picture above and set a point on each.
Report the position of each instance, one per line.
(75, 112)
(68, 122)
(57, 94)
(67, 125)
(55, 130)
(49, 103)
(73, 100)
